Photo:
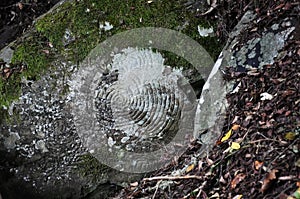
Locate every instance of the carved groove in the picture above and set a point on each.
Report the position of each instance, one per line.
(137, 106)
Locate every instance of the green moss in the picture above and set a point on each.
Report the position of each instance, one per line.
(211, 43)
(10, 90)
(174, 60)
(83, 18)
(30, 52)
(89, 166)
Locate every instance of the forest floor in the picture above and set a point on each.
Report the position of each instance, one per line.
(266, 162)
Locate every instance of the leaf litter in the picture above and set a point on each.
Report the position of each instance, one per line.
(265, 132)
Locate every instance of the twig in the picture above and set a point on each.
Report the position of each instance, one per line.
(199, 190)
(245, 135)
(157, 186)
(283, 152)
(173, 178)
(213, 5)
(287, 177)
(260, 140)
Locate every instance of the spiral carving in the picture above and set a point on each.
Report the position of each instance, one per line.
(138, 101)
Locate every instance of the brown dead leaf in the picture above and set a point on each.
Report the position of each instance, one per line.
(189, 168)
(288, 92)
(258, 164)
(283, 196)
(235, 127)
(237, 179)
(287, 113)
(268, 179)
(7, 72)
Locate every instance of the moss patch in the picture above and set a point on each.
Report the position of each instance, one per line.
(31, 53)
(89, 166)
(81, 19)
(35, 54)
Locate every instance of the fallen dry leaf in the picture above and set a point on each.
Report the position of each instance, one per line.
(288, 92)
(237, 179)
(237, 197)
(189, 168)
(7, 72)
(235, 127)
(222, 180)
(268, 179)
(235, 119)
(216, 195)
(266, 96)
(258, 164)
(235, 145)
(227, 136)
(290, 136)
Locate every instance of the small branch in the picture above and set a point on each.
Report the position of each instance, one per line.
(157, 186)
(261, 140)
(199, 190)
(280, 154)
(213, 5)
(287, 177)
(173, 178)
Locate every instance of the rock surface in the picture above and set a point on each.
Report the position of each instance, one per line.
(43, 156)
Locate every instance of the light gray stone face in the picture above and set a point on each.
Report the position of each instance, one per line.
(140, 101)
(6, 54)
(136, 109)
(261, 51)
(46, 140)
(10, 141)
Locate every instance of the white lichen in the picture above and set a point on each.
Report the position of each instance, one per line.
(106, 26)
(205, 32)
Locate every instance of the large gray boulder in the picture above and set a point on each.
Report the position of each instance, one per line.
(42, 154)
